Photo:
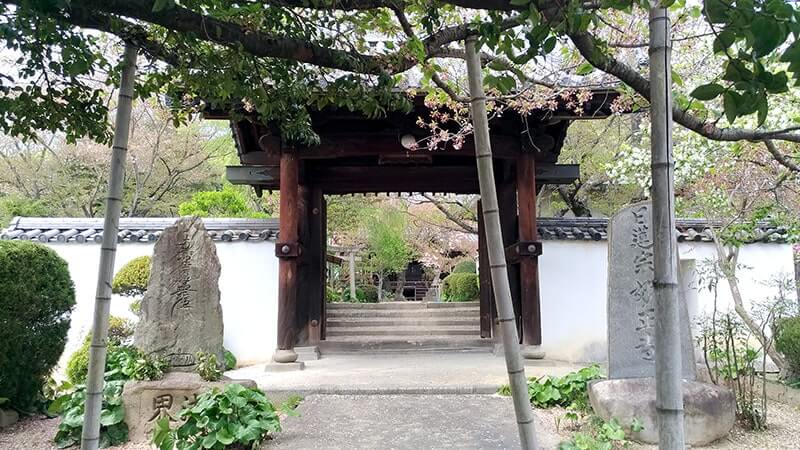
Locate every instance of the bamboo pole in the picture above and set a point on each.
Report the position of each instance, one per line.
(669, 395)
(496, 252)
(90, 438)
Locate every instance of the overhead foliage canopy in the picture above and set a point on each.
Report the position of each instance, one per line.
(278, 58)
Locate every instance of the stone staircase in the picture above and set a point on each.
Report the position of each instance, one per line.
(402, 326)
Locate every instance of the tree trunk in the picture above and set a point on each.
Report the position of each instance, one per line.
(401, 283)
(380, 287)
(90, 437)
(669, 393)
(727, 262)
(496, 251)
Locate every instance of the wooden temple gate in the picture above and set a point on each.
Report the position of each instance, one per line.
(360, 155)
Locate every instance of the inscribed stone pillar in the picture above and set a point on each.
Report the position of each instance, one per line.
(631, 306)
(181, 314)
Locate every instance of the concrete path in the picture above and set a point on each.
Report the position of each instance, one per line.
(403, 373)
(413, 422)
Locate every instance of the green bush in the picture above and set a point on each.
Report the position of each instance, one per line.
(787, 341)
(36, 300)
(132, 278)
(332, 295)
(465, 266)
(235, 417)
(119, 332)
(460, 287)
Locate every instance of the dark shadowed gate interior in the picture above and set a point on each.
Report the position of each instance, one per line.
(360, 155)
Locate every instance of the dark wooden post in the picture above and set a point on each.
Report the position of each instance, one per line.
(530, 248)
(485, 279)
(287, 249)
(315, 252)
(507, 203)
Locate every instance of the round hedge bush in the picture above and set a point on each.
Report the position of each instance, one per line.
(460, 287)
(132, 278)
(465, 266)
(36, 300)
(787, 341)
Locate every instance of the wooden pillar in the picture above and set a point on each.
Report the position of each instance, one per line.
(304, 266)
(315, 251)
(287, 249)
(529, 263)
(507, 203)
(485, 279)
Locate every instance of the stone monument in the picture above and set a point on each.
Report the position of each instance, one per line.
(631, 306)
(180, 316)
(630, 391)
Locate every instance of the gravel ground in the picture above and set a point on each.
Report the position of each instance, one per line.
(423, 421)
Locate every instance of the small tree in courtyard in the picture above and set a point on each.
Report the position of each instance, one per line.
(388, 250)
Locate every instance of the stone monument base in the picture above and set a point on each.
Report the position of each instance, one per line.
(146, 401)
(532, 352)
(709, 410)
(8, 417)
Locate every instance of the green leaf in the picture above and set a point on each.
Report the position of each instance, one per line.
(519, 2)
(768, 34)
(112, 416)
(160, 5)
(224, 437)
(707, 91)
(716, 11)
(729, 103)
(209, 441)
(584, 69)
(763, 108)
(724, 40)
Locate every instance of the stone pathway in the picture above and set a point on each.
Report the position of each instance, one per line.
(413, 422)
(402, 373)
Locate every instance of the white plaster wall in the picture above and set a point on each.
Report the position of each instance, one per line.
(574, 282)
(573, 287)
(248, 294)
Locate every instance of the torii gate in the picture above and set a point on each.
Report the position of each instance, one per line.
(363, 155)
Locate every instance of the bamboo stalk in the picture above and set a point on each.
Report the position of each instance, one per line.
(669, 394)
(496, 252)
(90, 438)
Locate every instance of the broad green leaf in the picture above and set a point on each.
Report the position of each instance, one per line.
(224, 437)
(768, 35)
(112, 416)
(730, 106)
(707, 91)
(584, 69)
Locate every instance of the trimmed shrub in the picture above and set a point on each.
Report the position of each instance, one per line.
(132, 278)
(370, 294)
(465, 266)
(787, 341)
(36, 300)
(119, 332)
(460, 287)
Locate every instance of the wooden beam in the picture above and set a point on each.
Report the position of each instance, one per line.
(528, 265)
(365, 179)
(316, 252)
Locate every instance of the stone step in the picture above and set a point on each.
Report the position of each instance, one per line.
(393, 344)
(431, 322)
(405, 331)
(401, 305)
(403, 313)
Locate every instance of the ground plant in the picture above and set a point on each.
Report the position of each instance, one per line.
(598, 434)
(208, 367)
(569, 391)
(36, 300)
(70, 407)
(230, 359)
(235, 417)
